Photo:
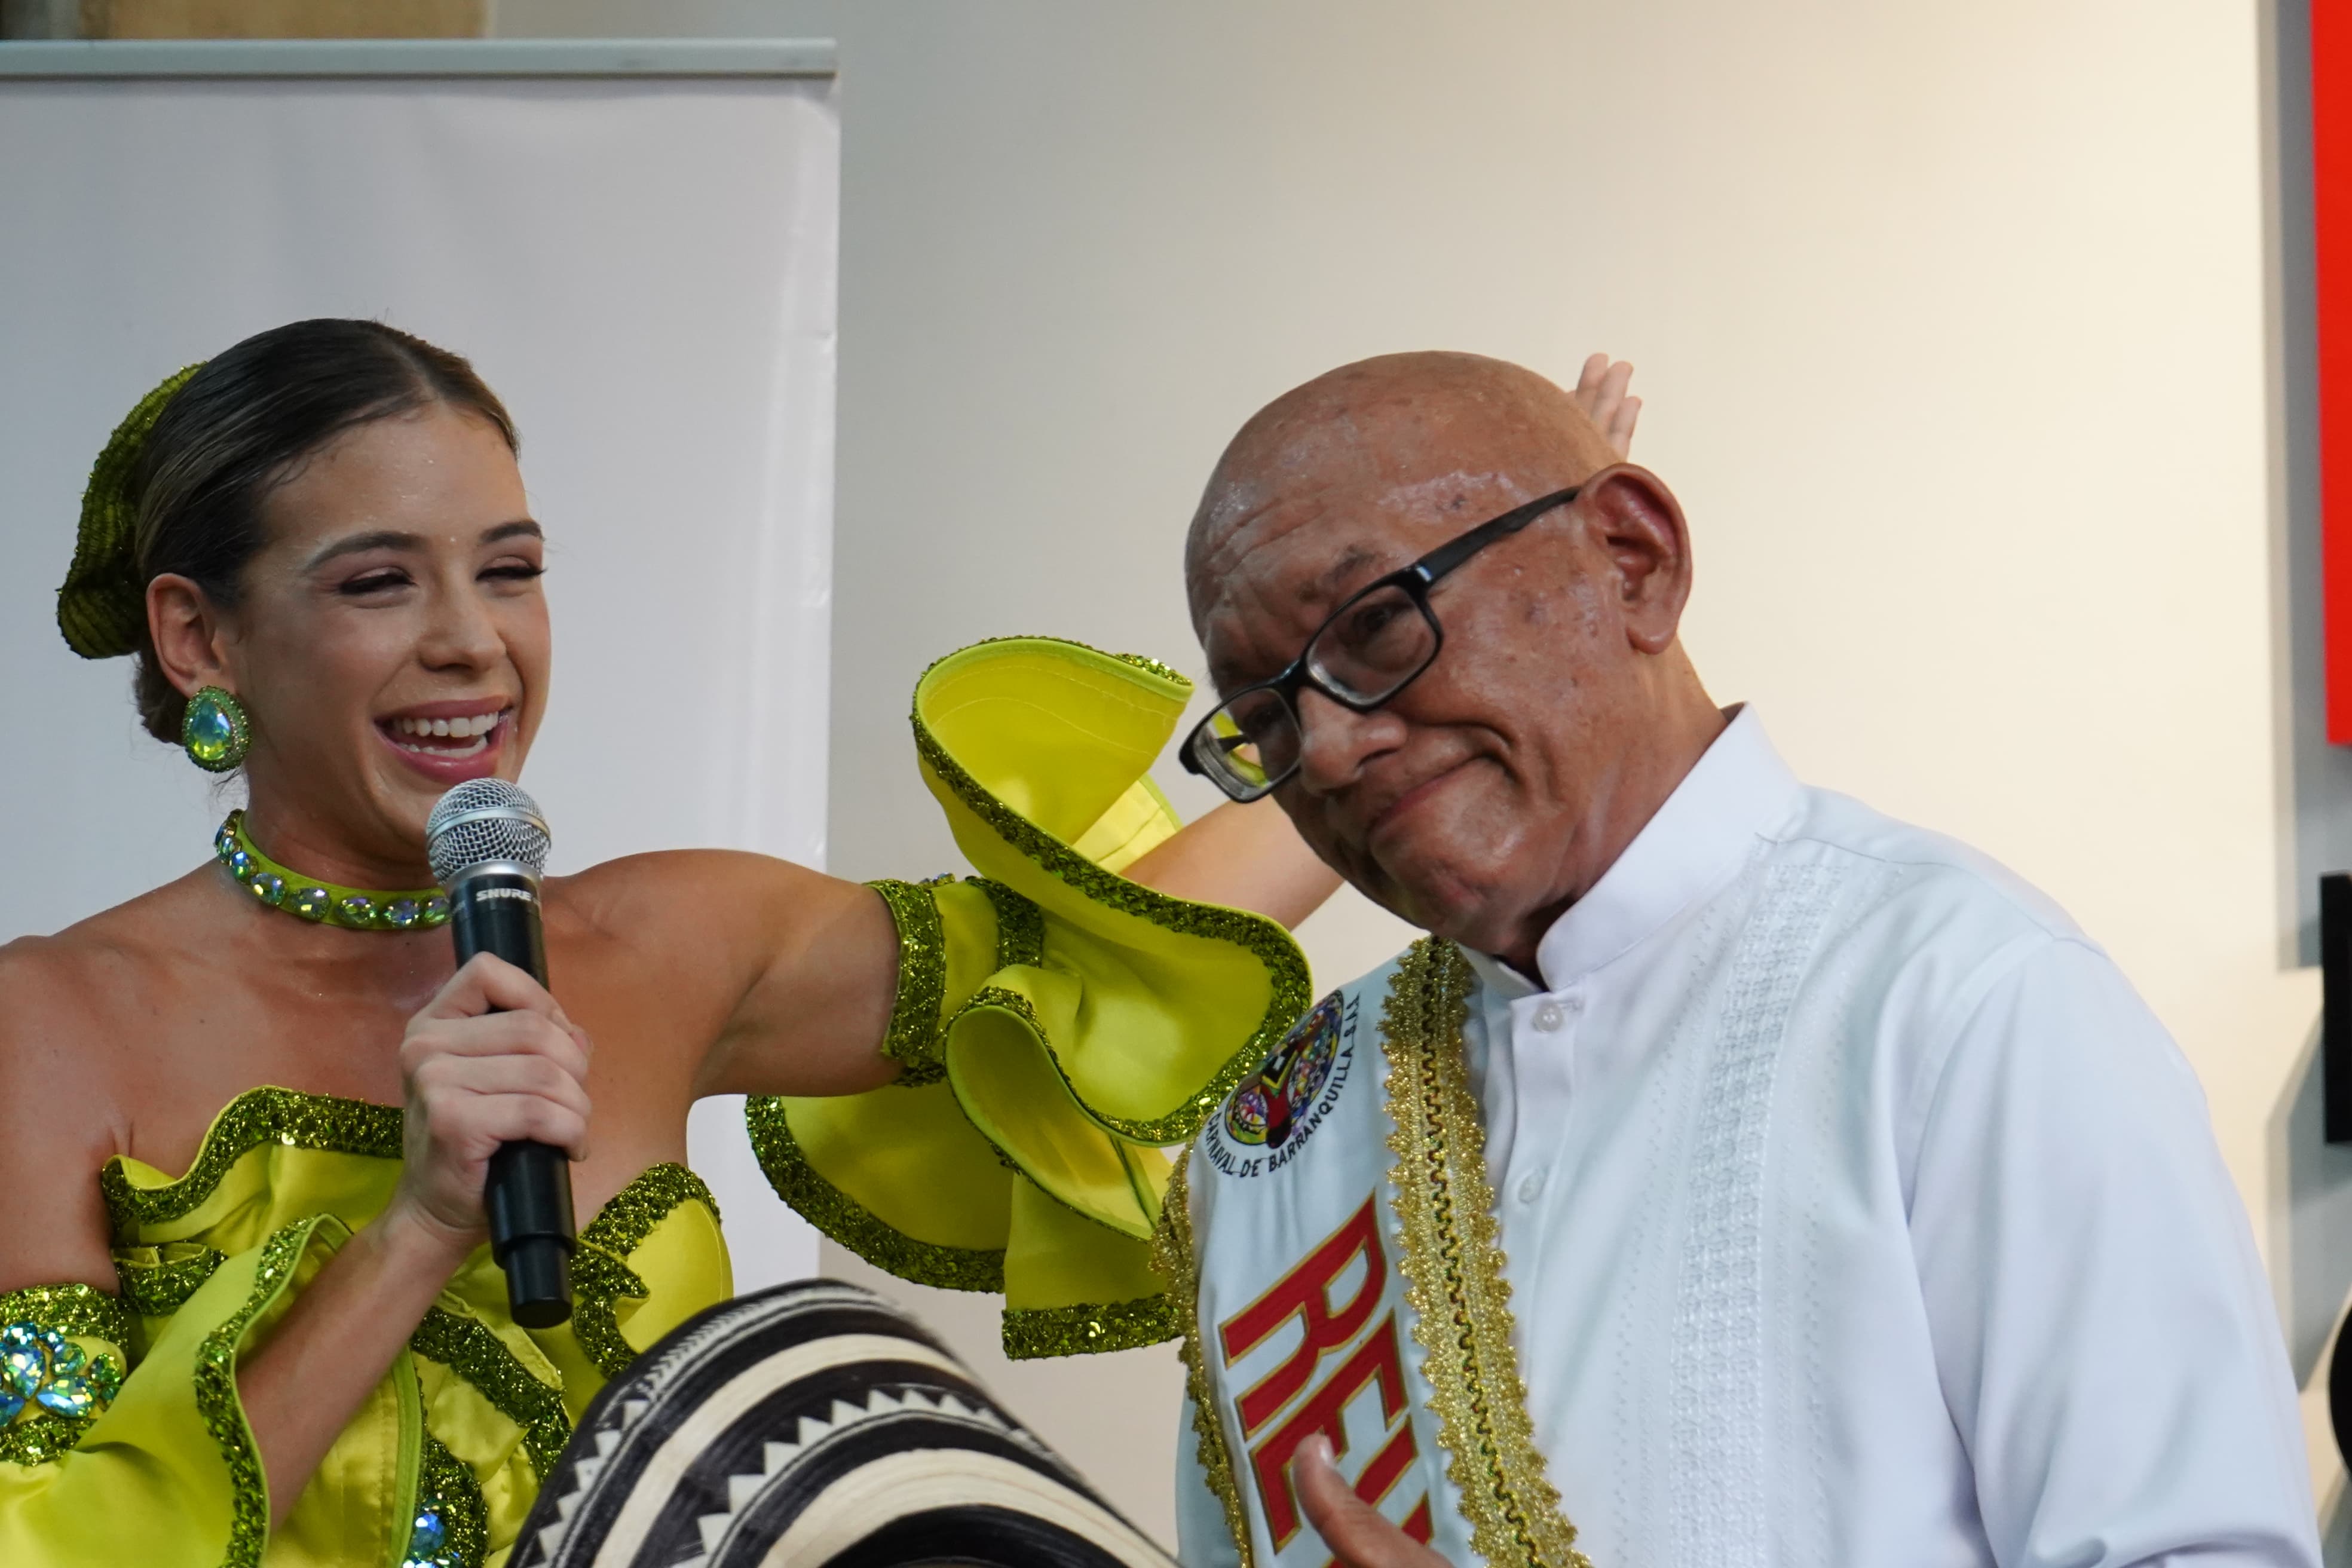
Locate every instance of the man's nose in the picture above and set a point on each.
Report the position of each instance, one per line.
(1335, 742)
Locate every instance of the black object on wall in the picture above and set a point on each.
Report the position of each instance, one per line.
(2336, 1013)
(2335, 1093)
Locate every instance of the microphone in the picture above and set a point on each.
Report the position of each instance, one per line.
(488, 845)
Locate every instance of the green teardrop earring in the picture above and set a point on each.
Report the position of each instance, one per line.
(215, 730)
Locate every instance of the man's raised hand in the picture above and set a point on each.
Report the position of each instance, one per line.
(1601, 393)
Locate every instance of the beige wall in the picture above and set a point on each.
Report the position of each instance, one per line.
(1955, 325)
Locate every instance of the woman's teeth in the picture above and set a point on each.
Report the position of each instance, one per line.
(466, 732)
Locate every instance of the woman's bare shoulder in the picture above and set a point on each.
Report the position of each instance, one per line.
(59, 1049)
(85, 1004)
(101, 964)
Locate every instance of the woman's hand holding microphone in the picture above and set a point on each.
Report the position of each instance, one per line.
(491, 1059)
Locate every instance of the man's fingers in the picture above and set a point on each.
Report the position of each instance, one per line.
(1614, 384)
(488, 983)
(1601, 395)
(1588, 379)
(1357, 1533)
(1621, 429)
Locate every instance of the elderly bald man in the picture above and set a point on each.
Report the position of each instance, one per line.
(1734, 1175)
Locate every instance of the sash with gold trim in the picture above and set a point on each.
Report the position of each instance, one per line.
(1332, 1235)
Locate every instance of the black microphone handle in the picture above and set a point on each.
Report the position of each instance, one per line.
(528, 1193)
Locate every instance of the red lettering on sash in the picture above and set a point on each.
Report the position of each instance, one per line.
(1305, 1293)
(1377, 1363)
(1417, 1525)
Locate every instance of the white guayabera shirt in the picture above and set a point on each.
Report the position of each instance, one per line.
(1855, 1212)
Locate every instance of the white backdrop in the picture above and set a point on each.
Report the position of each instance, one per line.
(643, 264)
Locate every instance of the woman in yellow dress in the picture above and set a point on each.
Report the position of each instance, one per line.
(246, 1310)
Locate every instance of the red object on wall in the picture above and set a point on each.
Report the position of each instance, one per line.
(2331, 203)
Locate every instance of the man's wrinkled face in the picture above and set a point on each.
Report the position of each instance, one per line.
(1463, 804)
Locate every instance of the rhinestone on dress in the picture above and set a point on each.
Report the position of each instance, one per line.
(68, 1396)
(22, 1364)
(42, 1366)
(426, 1539)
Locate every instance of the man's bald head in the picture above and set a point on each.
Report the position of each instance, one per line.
(1558, 711)
(1409, 426)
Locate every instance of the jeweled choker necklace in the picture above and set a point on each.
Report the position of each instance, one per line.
(354, 909)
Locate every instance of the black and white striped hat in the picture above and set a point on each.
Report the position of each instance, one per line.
(814, 1425)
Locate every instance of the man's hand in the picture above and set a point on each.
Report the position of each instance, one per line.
(1600, 393)
(1353, 1529)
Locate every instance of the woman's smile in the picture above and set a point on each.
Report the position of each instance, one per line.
(450, 743)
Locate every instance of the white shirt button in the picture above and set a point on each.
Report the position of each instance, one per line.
(1550, 1016)
(1530, 1186)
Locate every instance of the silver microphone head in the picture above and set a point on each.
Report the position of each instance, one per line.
(484, 819)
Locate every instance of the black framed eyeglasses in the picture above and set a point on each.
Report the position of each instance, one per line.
(1365, 652)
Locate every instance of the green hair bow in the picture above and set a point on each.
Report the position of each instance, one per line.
(102, 608)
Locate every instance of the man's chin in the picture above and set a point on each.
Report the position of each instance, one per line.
(1457, 908)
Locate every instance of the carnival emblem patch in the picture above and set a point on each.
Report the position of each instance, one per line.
(1267, 1108)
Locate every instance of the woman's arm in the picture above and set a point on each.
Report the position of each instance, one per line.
(472, 1082)
(812, 1019)
(335, 1343)
(1244, 857)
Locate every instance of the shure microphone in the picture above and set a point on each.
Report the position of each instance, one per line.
(488, 845)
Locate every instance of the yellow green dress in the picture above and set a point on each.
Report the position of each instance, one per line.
(1058, 1027)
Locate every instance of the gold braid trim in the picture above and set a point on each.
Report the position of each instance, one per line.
(1173, 1256)
(914, 1039)
(1453, 1269)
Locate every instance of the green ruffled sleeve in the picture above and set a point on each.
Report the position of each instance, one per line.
(1059, 1026)
(156, 1465)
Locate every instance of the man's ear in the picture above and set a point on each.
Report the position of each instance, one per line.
(190, 634)
(1638, 521)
